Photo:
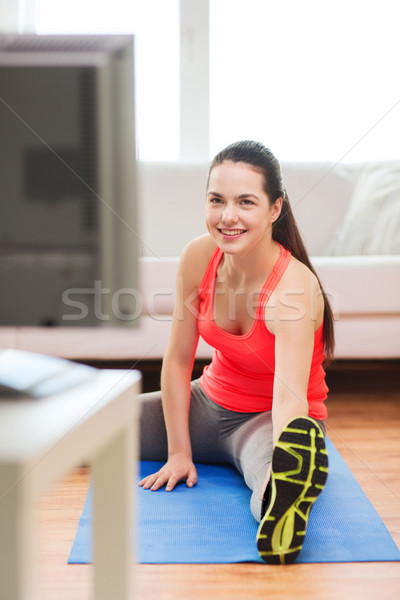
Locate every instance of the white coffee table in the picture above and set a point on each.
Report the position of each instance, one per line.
(40, 441)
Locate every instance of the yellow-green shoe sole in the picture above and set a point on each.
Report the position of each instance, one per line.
(298, 474)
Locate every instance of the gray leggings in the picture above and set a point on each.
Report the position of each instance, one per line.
(217, 435)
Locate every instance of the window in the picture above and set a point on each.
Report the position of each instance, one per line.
(313, 80)
(155, 24)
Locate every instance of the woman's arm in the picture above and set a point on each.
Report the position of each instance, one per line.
(177, 370)
(293, 352)
(295, 321)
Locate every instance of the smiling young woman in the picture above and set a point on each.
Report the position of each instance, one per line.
(260, 402)
(238, 207)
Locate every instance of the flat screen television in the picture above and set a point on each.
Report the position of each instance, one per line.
(68, 208)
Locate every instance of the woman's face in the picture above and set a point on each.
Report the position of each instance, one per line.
(238, 211)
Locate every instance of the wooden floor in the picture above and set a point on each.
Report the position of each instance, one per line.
(364, 424)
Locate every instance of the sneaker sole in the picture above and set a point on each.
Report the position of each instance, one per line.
(298, 475)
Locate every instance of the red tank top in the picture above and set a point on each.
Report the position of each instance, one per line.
(240, 376)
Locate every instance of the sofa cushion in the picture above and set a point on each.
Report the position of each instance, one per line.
(172, 198)
(361, 285)
(372, 221)
(319, 194)
(172, 206)
(355, 284)
(157, 277)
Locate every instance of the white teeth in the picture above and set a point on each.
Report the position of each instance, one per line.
(232, 231)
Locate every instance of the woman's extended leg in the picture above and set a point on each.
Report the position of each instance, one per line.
(298, 475)
(250, 448)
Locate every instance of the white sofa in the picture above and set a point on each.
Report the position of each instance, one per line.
(364, 287)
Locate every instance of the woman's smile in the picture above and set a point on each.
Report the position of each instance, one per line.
(231, 233)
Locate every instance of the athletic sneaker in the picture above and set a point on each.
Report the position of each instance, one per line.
(298, 475)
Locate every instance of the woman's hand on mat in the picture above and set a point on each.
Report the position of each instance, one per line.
(176, 469)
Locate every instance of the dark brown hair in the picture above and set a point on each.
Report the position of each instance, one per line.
(284, 229)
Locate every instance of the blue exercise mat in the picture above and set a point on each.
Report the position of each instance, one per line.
(212, 522)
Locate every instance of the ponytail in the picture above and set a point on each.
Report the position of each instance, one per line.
(286, 232)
